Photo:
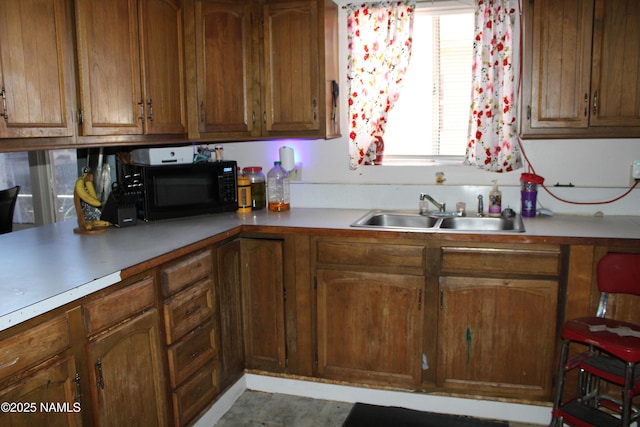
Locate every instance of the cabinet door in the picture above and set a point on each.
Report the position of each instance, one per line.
(497, 335)
(290, 69)
(161, 35)
(225, 68)
(230, 303)
(109, 67)
(370, 326)
(57, 385)
(263, 304)
(560, 64)
(615, 84)
(36, 75)
(127, 373)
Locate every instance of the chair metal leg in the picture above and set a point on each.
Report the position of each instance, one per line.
(626, 393)
(556, 420)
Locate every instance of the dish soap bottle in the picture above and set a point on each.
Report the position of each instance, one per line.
(495, 200)
(278, 188)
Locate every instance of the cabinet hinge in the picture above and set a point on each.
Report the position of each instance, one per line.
(528, 112)
(315, 359)
(420, 300)
(284, 294)
(441, 299)
(80, 117)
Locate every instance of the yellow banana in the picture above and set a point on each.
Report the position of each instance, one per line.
(98, 223)
(91, 189)
(83, 193)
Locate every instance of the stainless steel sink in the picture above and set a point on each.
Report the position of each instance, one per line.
(468, 223)
(408, 220)
(395, 219)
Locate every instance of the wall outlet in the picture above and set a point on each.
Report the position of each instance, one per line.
(635, 170)
(296, 174)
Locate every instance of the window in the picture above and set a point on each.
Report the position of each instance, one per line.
(431, 116)
(46, 180)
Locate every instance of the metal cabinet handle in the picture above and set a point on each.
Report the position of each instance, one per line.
(141, 105)
(595, 103)
(78, 397)
(150, 105)
(4, 105)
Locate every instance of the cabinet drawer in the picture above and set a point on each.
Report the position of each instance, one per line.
(117, 306)
(541, 262)
(191, 353)
(371, 254)
(187, 309)
(196, 394)
(34, 345)
(188, 270)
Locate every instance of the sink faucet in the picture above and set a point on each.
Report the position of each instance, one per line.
(441, 207)
(480, 206)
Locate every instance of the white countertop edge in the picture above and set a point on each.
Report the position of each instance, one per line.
(9, 320)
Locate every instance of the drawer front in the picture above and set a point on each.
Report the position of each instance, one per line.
(34, 345)
(196, 394)
(191, 353)
(117, 306)
(188, 270)
(188, 309)
(371, 254)
(539, 262)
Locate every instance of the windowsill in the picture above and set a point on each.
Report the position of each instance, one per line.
(390, 160)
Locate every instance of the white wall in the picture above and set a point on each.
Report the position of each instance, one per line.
(599, 170)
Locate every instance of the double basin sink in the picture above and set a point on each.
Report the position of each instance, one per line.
(441, 221)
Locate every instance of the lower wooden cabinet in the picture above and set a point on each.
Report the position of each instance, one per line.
(497, 320)
(263, 295)
(228, 267)
(126, 369)
(497, 335)
(50, 396)
(370, 327)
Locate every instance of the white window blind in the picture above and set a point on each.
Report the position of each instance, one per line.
(431, 116)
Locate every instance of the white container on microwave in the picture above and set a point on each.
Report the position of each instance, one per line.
(163, 155)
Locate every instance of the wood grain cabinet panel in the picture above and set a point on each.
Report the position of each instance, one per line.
(196, 394)
(369, 327)
(131, 77)
(261, 69)
(56, 384)
(36, 69)
(185, 271)
(118, 305)
(581, 66)
(26, 349)
(188, 309)
(263, 295)
(127, 375)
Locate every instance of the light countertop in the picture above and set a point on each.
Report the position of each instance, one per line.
(45, 267)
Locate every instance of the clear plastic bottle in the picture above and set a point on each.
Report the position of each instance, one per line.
(278, 188)
(258, 186)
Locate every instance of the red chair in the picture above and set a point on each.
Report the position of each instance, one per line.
(612, 354)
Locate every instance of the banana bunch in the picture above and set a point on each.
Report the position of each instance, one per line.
(97, 223)
(86, 191)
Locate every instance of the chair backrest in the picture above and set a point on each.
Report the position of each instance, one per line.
(619, 273)
(8, 199)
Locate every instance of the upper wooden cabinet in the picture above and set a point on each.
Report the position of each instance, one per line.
(130, 66)
(36, 69)
(581, 67)
(261, 70)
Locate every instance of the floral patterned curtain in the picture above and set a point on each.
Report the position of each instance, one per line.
(379, 38)
(493, 140)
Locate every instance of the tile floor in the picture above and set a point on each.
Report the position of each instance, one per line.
(259, 409)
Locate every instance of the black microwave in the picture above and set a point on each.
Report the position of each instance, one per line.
(180, 190)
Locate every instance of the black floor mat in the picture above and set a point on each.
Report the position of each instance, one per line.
(364, 415)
